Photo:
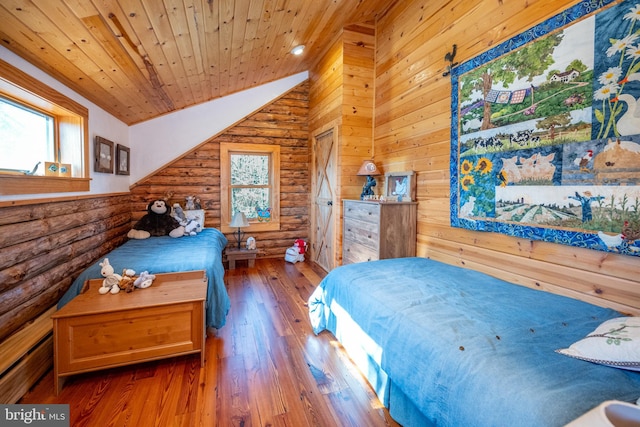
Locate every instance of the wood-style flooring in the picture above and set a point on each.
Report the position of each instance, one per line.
(265, 367)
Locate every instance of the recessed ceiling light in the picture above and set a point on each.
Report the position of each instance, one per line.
(298, 50)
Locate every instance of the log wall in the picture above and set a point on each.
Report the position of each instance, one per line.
(44, 245)
(412, 132)
(283, 122)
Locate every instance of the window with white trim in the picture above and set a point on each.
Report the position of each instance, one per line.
(250, 183)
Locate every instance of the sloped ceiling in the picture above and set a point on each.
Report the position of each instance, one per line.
(139, 59)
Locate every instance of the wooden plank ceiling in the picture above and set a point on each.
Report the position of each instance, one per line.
(138, 59)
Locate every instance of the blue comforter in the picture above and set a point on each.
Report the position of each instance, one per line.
(165, 255)
(469, 349)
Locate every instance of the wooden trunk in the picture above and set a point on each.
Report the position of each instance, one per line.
(95, 331)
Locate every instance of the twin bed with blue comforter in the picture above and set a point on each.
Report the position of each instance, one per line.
(167, 255)
(447, 346)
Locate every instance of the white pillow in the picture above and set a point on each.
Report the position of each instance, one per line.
(615, 343)
(197, 214)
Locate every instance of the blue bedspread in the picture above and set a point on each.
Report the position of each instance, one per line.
(469, 349)
(165, 255)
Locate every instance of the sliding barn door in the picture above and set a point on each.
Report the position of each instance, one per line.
(324, 184)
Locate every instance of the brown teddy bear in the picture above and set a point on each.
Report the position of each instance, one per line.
(127, 281)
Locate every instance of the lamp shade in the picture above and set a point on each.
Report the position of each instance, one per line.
(368, 168)
(239, 220)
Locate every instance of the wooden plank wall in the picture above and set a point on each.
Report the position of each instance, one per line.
(357, 106)
(44, 245)
(412, 122)
(341, 97)
(283, 122)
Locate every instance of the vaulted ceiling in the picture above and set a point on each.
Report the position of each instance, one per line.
(139, 59)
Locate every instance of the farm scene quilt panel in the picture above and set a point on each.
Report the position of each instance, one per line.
(545, 135)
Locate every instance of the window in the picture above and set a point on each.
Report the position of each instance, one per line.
(40, 127)
(250, 183)
(26, 137)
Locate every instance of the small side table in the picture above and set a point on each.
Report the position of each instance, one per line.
(239, 254)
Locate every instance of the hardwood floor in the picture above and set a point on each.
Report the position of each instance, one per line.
(264, 368)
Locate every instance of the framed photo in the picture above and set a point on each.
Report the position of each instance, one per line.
(123, 161)
(103, 155)
(400, 186)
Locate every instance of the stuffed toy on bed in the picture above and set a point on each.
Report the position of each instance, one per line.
(157, 222)
(191, 224)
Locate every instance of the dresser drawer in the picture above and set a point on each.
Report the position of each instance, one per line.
(367, 212)
(364, 233)
(353, 252)
(372, 230)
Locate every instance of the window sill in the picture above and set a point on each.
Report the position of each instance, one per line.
(12, 184)
(253, 227)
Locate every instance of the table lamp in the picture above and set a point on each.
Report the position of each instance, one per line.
(368, 169)
(239, 220)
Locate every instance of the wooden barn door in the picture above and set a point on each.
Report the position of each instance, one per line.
(323, 202)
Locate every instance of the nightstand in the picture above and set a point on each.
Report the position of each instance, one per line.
(234, 255)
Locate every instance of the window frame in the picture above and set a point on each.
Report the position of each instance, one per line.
(21, 87)
(226, 150)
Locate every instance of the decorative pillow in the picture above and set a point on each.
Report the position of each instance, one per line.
(615, 343)
(197, 214)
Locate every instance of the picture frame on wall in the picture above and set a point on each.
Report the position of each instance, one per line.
(400, 186)
(103, 155)
(123, 160)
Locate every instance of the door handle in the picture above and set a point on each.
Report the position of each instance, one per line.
(330, 203)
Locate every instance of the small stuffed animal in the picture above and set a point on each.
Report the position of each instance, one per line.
(191, 203)
(191, 228)
(251, 243)
(144, 280)
(111, 281)
(178, 214)
(157, 222)
(126, 283)
(302, 246)
(191, 225)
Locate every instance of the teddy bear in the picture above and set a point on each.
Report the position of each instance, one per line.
(126, 283)
(156, 222)
(111, 281)
(144, 280)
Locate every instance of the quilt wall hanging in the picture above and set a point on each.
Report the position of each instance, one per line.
(545, 135)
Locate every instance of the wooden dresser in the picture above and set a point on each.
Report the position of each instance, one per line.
(96, 331)
(373, 230)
